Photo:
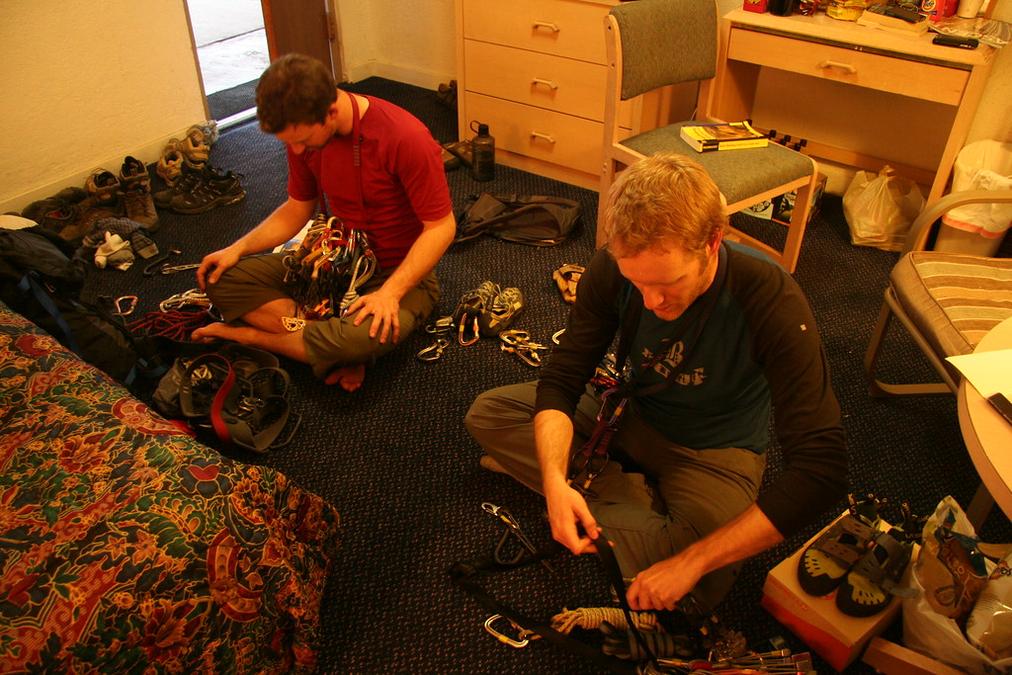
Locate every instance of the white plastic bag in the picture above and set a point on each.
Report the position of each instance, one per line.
(880, 208)
(982, 165)
(931, 633)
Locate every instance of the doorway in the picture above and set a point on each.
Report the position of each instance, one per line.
(235, 40)
(231, 45)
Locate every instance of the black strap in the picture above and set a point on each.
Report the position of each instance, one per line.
(464, 574)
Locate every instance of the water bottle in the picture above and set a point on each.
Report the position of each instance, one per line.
(483, 155)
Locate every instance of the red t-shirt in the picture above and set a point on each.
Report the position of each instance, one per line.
(403, 180)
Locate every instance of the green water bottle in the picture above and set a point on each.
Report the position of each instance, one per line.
(483, 155)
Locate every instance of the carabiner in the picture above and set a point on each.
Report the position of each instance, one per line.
(467, 342)
(125, 305)
(443, 324)
(434, 351)
(501, 637)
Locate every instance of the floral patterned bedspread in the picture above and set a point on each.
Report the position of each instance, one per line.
(127, 546)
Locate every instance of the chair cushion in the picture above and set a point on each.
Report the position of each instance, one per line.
(953, 300)
(738, 173)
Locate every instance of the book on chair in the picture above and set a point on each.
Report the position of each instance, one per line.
(723, 136)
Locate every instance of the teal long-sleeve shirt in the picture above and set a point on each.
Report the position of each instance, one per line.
(759, 349)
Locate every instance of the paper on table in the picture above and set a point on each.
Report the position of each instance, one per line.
(988, 372)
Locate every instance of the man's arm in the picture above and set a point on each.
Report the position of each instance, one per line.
(277, 228)
(663, 584)
(384, 303)
(553, 437)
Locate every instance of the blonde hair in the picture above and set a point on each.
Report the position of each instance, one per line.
(663, 200)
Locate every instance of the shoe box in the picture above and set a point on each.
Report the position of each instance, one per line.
(839, 639)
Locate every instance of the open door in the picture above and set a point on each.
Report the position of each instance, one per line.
(304, 26)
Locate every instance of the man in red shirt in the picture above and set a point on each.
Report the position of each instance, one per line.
(398, 196)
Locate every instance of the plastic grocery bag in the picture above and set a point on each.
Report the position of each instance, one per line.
(982, 165)
(932, 617)
(880, 208)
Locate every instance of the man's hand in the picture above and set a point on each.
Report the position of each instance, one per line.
(566, 509)
(663, 584)
(216, 263)
(384, 308)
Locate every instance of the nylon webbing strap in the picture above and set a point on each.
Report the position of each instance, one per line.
(464, 574)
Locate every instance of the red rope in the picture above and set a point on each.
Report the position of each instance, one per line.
(175, 324)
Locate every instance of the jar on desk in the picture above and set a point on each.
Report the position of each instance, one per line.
(846, 10)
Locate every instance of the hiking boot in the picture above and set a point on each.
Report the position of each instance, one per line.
(140, 206)
(208, 132)
(133, 172)
(136, 193)
(194, 148)
(53, 214)
(186, 181)
(104, 187)
(212, 190)
(170, 164)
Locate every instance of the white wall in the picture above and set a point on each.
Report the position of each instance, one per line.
(87, 83)
(404, 40)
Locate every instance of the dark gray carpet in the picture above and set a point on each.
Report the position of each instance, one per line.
(228, 102)
(396, 461)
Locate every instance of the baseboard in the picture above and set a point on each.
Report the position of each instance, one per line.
(148, 154)
(425, 79)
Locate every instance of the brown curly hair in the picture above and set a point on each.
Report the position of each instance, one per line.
(295, 89)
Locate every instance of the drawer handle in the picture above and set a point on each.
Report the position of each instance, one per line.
(546, 83)
(846, 67)
(545, 137)
(554, 27)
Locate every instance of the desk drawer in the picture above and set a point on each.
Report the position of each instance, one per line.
(876, 71)
(533, 132)
(550, 82)
(563, 27)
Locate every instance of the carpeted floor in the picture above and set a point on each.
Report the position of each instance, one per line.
(228, 102)
(395, 459)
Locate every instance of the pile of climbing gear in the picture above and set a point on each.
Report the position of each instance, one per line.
(519, 343)
(325, 272)
(486, 311)
(686, 640)
(237, 393)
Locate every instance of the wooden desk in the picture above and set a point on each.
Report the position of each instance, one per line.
(988, 437)
(862, 56)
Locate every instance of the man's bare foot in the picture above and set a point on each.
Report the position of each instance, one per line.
(213, 331)
(349, 377)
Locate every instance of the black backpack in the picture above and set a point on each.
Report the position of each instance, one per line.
(40, 280)
(536, 220)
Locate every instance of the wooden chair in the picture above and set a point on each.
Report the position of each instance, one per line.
(656, 43)
(946, 301)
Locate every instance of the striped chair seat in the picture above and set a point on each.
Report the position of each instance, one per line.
(954, 300)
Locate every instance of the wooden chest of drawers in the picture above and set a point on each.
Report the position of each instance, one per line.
(534, 71)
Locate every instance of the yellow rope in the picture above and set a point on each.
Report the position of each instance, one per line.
(590, 618)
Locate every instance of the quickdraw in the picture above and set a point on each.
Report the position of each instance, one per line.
(330, 265)
(434, 351)
(589, 461)
(519, 342)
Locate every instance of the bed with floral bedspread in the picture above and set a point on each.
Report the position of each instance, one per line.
(127, 546)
